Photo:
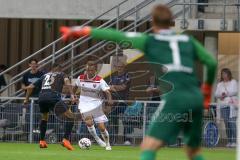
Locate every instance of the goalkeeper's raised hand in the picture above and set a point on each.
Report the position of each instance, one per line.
(207, 91)
(74, 32)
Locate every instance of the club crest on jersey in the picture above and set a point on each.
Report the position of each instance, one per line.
(94, 85)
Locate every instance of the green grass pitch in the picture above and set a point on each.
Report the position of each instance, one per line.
(23, 151)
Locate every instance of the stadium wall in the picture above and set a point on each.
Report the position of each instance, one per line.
(65, 9)
(22, 37)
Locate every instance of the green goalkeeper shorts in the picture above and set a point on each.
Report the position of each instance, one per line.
(179, 113)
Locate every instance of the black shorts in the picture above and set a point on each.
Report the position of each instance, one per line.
(49, 101)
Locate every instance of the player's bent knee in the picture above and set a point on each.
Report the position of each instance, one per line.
(101, 127)
(88, 121)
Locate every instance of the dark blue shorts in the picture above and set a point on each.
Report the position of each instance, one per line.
(49, 100)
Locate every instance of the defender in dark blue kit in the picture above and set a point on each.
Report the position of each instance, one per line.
(50, 96)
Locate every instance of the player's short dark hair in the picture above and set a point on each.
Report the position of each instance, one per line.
(162, 16)
(33, 60)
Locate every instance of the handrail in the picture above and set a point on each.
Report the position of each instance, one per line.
(139, 6)
(181, 3)
(209, 4)
(111, 22)
(141, 22)
(50, 56)
(185, 3)
(69, 45)
(148, 17)
(124, 15)
(141, 101)
(103, 43)
(106, 42)
(88, 22)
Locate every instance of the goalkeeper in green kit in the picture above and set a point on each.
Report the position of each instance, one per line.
(178, 54)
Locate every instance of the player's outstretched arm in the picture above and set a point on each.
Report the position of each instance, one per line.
(109, 97)
(70, 88)
(210, 62)
(29, 90)
(137, 40)
(30, 87)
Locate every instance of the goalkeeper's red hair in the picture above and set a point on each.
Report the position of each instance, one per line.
(162, 17)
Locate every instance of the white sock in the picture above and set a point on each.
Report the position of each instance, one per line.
(105, 136)
(93, 132)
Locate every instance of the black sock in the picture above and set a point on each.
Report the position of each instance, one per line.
(68, 129)
(43, 128)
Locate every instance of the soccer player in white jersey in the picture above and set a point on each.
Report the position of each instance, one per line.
(90, 102)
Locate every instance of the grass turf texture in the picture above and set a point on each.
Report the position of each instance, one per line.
(22, 151)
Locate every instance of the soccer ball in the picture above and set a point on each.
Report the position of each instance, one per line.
(84, 143)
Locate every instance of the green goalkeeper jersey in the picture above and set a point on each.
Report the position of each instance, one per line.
(177, 52)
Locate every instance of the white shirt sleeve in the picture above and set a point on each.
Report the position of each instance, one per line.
(77, 82)
(232, 89)
(103, 85)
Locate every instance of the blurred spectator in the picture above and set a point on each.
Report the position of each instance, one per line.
(119, 87)
(226, 94)
(4, 81)
(32, 76)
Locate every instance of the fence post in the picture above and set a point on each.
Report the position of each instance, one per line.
(53, 52)
(31, 121)
(72, 56)
(144, 118)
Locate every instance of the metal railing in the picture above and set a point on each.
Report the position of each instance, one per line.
(63, 51)
(69, 49)
(126, 123)
(56, 54)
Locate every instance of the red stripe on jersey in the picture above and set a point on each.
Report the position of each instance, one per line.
(96, 79)
(83, 76)
(89, 81)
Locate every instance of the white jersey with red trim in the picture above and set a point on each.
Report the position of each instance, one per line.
(90, 96)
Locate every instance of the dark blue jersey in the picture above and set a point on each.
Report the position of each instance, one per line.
(51, 81)
(29, 78)
(119, 80)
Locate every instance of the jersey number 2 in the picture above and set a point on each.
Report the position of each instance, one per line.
(48, 80)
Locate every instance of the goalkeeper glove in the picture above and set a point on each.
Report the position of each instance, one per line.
(74, 32)
(207, 91)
